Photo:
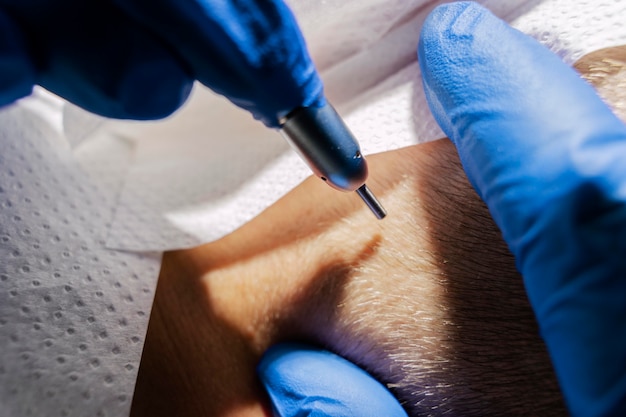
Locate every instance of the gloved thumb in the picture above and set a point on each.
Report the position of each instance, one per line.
(549, 159)
(306, 381)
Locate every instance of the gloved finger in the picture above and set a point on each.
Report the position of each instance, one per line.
(94, 55)
(547, 156)
(306, 381)
(250, 51)
(17, 73)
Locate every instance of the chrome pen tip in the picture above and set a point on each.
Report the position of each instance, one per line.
(372, 202)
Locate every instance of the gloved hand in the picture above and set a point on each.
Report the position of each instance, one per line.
(549, 159)
(306, 381)
(138, 59)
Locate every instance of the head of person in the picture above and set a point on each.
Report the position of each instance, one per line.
(428, 300)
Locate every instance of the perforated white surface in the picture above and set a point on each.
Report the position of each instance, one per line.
(73, 314)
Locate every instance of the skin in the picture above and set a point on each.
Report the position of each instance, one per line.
(427, 300)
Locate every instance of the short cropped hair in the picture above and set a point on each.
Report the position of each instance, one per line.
(452, 331)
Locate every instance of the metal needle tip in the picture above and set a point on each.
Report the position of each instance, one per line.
(371, 201)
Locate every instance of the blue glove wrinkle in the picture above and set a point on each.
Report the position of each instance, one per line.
(547, 156)
(17, 72)
(302, 380)
(250, 51)
(92, 54)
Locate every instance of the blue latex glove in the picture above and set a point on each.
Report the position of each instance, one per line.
(549, 159)
(306, 381)
(138, 58)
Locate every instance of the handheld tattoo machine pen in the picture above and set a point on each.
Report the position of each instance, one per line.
(326, 144)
